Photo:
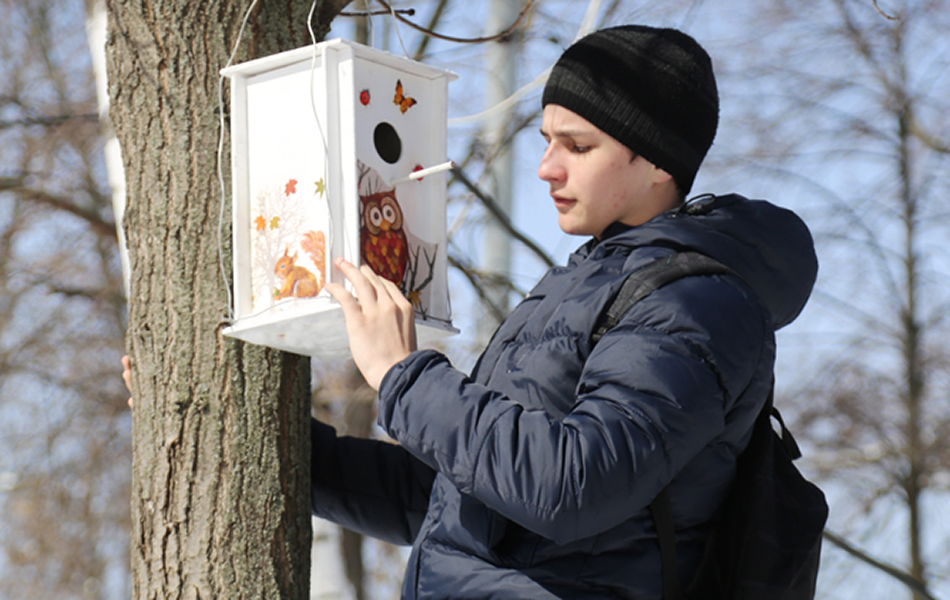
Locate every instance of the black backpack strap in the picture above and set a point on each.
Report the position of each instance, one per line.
(791, 446)
(656, 274)
(637, 286)
(785, 436)
(666, 536)
(663, 514)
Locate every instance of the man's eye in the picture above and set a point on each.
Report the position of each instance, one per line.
(580, 149)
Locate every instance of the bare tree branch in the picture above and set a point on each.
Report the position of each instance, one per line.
(47, 121)
(478, 284)
(433, 23)
(503, 219)
(917, 586)
(449, 38)
(884, 14)
(99, 225)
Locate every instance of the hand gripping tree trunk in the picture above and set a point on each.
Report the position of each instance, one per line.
(220, 482)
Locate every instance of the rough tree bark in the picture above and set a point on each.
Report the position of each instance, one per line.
(220, 482)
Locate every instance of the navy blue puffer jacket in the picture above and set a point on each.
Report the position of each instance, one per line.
(531, 477)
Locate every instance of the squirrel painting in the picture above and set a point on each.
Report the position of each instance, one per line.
(314, 243)
(298, 282)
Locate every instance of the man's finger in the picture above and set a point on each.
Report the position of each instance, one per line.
(346, 300)
(379, 284)
(127, 371)
(365, 290)
(405, 310)
(396, 294)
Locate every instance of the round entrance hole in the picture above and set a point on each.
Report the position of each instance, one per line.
(388, 144)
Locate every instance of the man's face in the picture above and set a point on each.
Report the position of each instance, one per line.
(592, 178)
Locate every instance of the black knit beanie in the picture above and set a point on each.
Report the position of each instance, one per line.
(653, 90)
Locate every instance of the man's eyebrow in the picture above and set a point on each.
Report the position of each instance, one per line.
(567, 133)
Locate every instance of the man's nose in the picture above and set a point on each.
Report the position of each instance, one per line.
(549, 169)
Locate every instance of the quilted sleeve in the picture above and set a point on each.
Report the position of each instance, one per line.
(369, 486)
(653, 392)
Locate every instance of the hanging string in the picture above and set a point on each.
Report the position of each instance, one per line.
(220, 168)
(398, 35)
(313, 100)
(323, 137)
(397, 15)
(220, 149)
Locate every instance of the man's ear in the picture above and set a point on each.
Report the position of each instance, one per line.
(660, 176)
(667, 186)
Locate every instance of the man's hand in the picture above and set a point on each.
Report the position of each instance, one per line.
(127, 375)
(380, 321)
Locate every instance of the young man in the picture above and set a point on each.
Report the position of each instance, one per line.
(531, 477)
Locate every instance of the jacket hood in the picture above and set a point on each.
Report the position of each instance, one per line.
(770, 247)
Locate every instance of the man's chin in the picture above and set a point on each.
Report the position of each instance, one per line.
(570, 227)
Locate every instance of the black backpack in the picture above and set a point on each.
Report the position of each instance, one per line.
(766, 542)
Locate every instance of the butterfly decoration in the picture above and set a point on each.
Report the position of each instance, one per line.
(402, 101)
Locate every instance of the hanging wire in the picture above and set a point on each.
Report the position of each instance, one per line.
(220, 168)
(220, 149)
(313, 68)
(398, 35)
(397, 15)
(323, 137)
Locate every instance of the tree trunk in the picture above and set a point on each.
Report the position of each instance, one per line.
(912, 333)
(220, 482)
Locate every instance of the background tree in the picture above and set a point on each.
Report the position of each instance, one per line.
(63, 419)
(220, 479)
(844, 103)
(836, 113)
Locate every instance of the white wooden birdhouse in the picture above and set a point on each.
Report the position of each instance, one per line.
(328, 143)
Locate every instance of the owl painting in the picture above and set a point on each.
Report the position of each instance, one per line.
(383, 243)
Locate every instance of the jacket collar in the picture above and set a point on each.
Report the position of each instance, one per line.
(612, 230)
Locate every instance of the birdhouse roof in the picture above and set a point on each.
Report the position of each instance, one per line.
(306, 53)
